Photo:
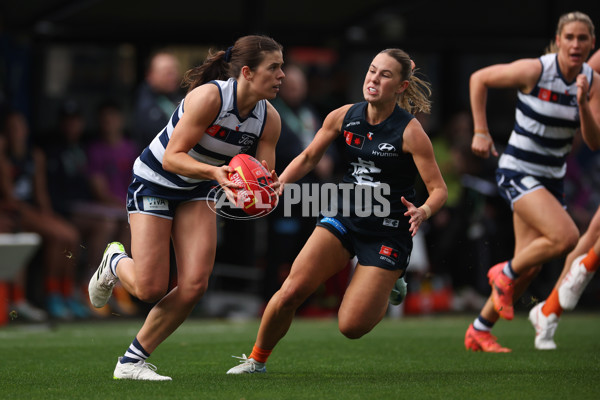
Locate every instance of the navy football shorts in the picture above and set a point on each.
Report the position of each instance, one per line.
(387, 252)
(162, 202)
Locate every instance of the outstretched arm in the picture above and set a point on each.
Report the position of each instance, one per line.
(306, 161)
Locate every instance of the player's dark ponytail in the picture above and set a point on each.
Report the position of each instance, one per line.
(224, 64)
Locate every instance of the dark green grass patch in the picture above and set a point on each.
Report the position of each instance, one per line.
(409, 358)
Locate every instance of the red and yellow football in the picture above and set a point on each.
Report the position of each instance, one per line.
(256, 197)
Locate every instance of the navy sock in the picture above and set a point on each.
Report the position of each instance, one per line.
(135, 353)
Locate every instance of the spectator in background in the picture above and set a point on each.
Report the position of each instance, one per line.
(110, 161)
(26, 192)
(71, 194)
(299, 123)
(157, 97)
(111, 158)
(9, 223)
(67, 161)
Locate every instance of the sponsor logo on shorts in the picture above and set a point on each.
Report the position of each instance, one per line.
(155, 204)
(529, 182)
(388, 254)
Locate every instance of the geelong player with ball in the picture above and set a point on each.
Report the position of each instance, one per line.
(385, 145)
(224, 113)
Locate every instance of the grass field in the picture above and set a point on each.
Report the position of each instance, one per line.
(409, 358)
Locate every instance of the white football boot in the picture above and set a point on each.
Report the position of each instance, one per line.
(102, 282)
(573, 284)
(545, 327)
(247, 366)
(139, 371)
(398, 292)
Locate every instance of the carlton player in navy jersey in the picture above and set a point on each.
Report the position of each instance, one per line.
(558, 95)
(386, 147)
(224, 113)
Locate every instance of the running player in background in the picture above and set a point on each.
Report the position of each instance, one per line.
(171, 190)
(580, 266)
(558, 94)
(385, 145)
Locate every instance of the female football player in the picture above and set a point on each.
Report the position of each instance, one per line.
(386, 146)
(171, 190)
(558, 94)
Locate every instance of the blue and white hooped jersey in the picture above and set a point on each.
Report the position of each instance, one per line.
(545, 122)
(226, 137)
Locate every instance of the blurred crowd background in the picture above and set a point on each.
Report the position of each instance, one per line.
(85, 85)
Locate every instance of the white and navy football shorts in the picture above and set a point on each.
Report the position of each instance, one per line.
(512, 185)
(162, 202)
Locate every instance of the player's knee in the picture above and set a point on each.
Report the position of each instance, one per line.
(568, 241)
(290, 297)
(352, 330)
(150, 293)
(192, 293)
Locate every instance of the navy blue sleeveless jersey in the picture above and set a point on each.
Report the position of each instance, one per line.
(374, 162)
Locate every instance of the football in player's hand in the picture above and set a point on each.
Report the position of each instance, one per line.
(255, 197)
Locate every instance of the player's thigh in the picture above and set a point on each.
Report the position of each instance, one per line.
(150, 246)
(322, 256)
(366, 298)
(542, 212)
(194, 242)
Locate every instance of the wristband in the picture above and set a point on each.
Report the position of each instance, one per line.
(427, 210)
(484, 135)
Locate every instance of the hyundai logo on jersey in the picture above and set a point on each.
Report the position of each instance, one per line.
(386, 147)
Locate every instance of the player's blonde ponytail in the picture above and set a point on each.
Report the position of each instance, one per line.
(416, 96)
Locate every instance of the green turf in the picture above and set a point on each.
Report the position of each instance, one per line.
(410, 358)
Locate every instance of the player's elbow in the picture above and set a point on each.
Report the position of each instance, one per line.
(167, 162)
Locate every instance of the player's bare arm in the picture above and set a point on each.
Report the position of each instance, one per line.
(588, 99)
(201, 107)
(307, 160)
(417, 143)
(520, 74)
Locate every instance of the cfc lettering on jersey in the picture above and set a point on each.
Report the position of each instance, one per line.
(362, 171)
(354, 140)
(155, 204)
